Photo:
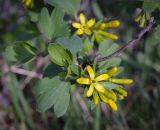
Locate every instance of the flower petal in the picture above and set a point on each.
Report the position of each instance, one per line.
(112, 71)
(103, 98)
(108, 35)
(110, 94)
(88, 31)
(90, 72)
(83, 81)
(99, 87)
(101, 77)
(79, 32)
(82, 18)
(95, 98)
(90, 90)
(76, 25)
(121, 81)
(113, 105)
(91, 22)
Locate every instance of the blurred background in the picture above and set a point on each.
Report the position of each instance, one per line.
(138, 111)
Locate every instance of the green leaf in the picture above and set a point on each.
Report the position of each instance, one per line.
(149, 5)
(107, 47)
(113, 62)
(53, 26)
(59, 55)
(75, 69)
(24, 52)
(52, 92)
(58, 25)
(97, 10)
(69, 6)
(73, 44)
(33, 16)
(87, 45)
(109, 85)
(62, 103)
(9, 54)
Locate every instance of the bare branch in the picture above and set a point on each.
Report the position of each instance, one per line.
(27, 73)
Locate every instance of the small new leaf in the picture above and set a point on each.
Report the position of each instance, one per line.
(59, 55)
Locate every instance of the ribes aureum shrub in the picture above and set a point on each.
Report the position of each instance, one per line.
(82, 51)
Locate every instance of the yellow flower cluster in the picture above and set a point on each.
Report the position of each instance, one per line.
(97, 91)
(28, 3)
(90, 27)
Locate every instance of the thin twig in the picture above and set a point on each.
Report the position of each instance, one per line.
(130, 43)
(27, 73)
(39, 64)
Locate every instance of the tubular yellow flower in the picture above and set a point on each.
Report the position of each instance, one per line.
(113, 105)
(28, 3)
(103, 98)
(110, 94)
(96, 89)
(113, 71)
(142, 19)
(108, 101)
(108, 35)
(110, 24)
(84, 26)
(97, 92)
(100, 33)
(121, 81)
(83, 81)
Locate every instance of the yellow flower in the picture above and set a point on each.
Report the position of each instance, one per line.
(112, 72)
(110, 24)
(98, 92)
(93, 81)
(96, 89)
(28, 3)
(101, 34)
(84, 26)
(120, 92)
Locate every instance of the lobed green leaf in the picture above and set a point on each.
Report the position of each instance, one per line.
(59, 55)
(52, 92)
